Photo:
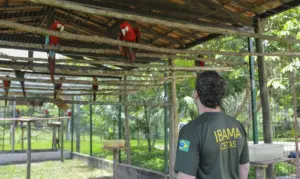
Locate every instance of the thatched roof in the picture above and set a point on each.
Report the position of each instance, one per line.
(223, 13)
(229, 14)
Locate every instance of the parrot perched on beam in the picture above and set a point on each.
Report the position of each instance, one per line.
(199, 63)
(6, 85)
(95, 88)
(20, 74)
(57, 86)
(53, 41)
(129, 34)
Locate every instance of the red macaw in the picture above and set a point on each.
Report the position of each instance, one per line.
(129, 34)
(95, 87)
(57, 87)
(20, 74)
(53, 41)
(199, 63)
(6, 85)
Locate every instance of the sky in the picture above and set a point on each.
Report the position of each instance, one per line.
(24, 53)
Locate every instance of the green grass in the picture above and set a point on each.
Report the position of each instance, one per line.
(48, 170)
(140, 156)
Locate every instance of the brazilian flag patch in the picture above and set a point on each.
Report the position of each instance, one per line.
(184, 145)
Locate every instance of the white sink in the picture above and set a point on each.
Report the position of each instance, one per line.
(265, 152)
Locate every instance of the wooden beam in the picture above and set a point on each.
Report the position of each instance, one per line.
(90, 82)
(58, 101)
(164, 9)
(32, 94)
(95, 39)
(138, 65)
(110, 13)
(11, 72)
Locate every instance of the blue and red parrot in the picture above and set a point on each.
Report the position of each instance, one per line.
(129, 34)
(95, 87)
(53, 41)
(6, 85)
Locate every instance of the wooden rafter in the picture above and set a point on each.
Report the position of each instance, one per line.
(58, 101)
(95, 39)
(114, 14)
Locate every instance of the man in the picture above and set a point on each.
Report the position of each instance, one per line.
(214, 145)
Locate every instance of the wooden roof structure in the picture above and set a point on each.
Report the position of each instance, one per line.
(95, 56)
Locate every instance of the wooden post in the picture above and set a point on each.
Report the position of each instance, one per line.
(91, 129)
(13, 128)
(294, 101)
(260, 171)
(166, 169)
(54, 139)
(22, 137)
(28, 149)
(72, 130)
(77, 124)
(127, 129)
(62, 140)
(120, 125)
(3, 134)
(173, 134)
(115, 158)
(264, 94)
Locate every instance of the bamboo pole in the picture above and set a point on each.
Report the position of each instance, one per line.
(127, 129)
(172, 127)
(62, 140)
(28, 149)
(156, 74)
(31, 46)
(202, 28)
(31, 94)
(90, 82)
(70, 89)
(36, 66)
(57, 101)
(111, 62)
(100, 40)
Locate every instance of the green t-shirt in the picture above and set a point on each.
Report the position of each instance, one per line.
(211, 147)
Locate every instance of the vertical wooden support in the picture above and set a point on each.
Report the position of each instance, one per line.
(173, 135)
(22, 137)
(166, 170)
(260, 172)
(3, 134)
(77, 124)
(115, 158)
(54, 139)
(294, 102)
(127, 130)
(28, 149)
(13, 129)
(62, 140)
(72, 130)
(91, 129)
(253, 92)
(120, 125)
(264, 94)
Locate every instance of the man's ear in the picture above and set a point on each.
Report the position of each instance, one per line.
(195, 95)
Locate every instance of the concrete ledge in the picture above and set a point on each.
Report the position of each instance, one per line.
(125, 171)
(36, 156)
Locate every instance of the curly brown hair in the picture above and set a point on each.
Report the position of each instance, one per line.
(211, 88)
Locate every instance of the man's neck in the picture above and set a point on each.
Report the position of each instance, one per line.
(205, 109)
